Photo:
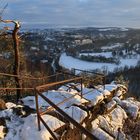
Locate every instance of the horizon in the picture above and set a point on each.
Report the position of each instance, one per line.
(41, 26)
(56, 26)
(74, 13)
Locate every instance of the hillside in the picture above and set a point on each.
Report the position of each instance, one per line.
(69, 70)
(105, 113)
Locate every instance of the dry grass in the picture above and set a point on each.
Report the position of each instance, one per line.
(132, 128)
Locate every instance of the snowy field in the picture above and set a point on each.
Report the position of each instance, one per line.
(109, 29)
(104, 54)
(69, 62)
(113, 46)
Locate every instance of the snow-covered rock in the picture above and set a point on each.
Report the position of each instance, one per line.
(107, 125)
(110, 105)
(76, 113)
(10, 105)
(130, 108)
(101, 135)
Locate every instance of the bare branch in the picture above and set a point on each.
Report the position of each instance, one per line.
(11, 21)
(5, 34)
(2, 11)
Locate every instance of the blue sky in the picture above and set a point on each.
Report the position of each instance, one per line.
(120, 13)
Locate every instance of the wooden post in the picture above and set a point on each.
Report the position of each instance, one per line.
(17, 57)
(37, 109)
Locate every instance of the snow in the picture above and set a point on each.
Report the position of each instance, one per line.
(107, 126)
(10, 105)
(14, 123)
(130, 107)
(111, 28)
(106, 93)
(116, 45)
(105, 29)
(56, 96)
(27, 128)
(20, 128)
(1, 132)
(6, 113)
(44, 61)
(110, 87)
(45, 47)
(94, 97)
(101, 135)
(133, 101)
(118, 115)
(110, 105)
(30, 128)
(34, 49)
(104, 124)
(69, 62)
(29, 101)
(124, 29)
(76, 113)
(104, 54)
(109, 123)
(86, 41)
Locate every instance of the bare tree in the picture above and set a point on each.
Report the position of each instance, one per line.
(16, 68)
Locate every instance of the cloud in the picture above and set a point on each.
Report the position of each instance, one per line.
(76, 12)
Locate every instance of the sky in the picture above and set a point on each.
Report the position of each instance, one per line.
(68, 13)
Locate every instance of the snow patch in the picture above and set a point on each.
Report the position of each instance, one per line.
(30, 128)
(2, 134)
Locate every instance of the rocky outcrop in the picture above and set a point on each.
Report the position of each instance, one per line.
(104, 112)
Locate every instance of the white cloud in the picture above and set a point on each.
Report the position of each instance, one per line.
(76, 12)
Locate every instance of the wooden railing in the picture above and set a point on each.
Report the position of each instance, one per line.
(53, 82)
(56, 107)
(92, 76)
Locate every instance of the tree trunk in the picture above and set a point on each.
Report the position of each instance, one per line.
(16, 67)
(16, 59)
